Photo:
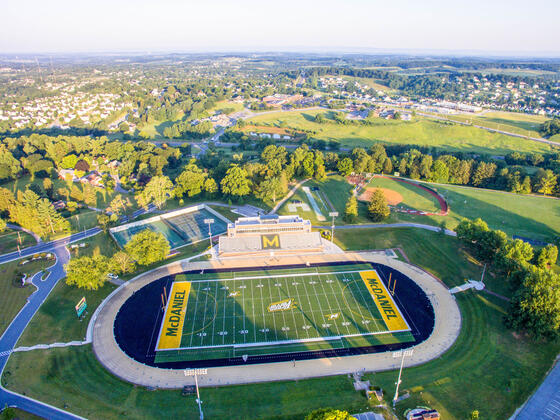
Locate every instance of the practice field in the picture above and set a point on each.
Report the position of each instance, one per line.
(180, 227)
(219, 315)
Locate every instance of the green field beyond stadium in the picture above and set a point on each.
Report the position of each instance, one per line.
(231, 314)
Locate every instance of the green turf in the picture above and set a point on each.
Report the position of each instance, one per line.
(421, 132)
(233, 312)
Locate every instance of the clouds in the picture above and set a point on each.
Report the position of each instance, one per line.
(75, 26)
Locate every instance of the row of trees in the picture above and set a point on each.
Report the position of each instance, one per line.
(447, 168)
(91, 273)
(535, 306)
(32, 212)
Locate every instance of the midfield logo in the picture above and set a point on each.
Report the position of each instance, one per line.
(332, 316)
(235, 294)
(283, 305)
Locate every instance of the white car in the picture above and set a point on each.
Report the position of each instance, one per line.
(112, 276)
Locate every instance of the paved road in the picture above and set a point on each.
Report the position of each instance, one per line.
(48, 246)
(545, 403)
(16, 328)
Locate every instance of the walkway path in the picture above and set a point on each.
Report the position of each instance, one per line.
(291, 193)
(12, 334)
(393, 225)
(16, 227)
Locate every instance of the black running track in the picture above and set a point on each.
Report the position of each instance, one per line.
(138, 321)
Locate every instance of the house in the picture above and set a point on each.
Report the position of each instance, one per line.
(66, 173)
(59, 205)
(93, 179)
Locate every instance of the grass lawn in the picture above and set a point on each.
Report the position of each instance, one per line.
(488, 368)
(421, 132)
(56, 320)
(412, 197)
(102, 243)
(10, 239)
(337, 192)
(530, 216)
(13, 297)
(524, 124)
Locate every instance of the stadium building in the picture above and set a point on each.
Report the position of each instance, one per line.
(270, 234)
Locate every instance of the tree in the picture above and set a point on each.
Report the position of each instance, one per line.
(378, 209)
(545, 181)
(345, 166)
(536, 305)
(103, 221)
(351, 209)
(147, 247)
(547, 256)
(87, 272)
(3, 225)
(440, 172)
(270, 189)
(235, 183)
(122, 263)
(158, 190)
(329, 414)
(190, 181)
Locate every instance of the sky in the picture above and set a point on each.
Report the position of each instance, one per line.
(501, 27)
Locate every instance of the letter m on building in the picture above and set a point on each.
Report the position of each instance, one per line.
(270, 241)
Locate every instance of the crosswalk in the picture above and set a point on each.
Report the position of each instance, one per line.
(5, 353)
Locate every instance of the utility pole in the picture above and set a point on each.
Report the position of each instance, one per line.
(333, 214)
(395, 355)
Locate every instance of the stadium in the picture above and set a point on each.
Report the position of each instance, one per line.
(274, 293)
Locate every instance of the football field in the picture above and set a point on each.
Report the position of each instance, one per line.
(219, 315)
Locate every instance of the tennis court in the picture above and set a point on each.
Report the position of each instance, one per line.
(180, 228)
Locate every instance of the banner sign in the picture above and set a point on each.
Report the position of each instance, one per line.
(81, 306)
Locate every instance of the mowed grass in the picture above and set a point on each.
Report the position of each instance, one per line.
(11, 238)
(13, 297)
(334, 188)
(412, 197)
(56, 320)
(420, 131)
(529, 216)
(524, 124)
(488, 368)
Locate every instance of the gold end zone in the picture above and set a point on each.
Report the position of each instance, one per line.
(174, 318)
(385, 304)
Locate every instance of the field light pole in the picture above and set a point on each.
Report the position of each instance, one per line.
(198, 395)
(395, 355)
(333, 214)
(209, 223)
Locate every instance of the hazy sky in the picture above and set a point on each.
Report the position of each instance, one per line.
(516, 26)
